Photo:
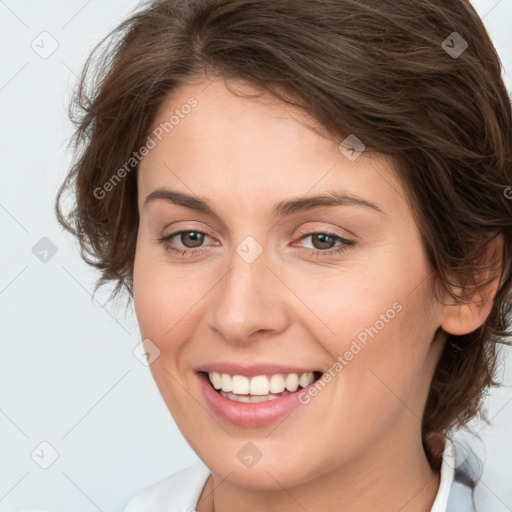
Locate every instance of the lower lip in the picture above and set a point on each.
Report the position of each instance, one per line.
(249, 414)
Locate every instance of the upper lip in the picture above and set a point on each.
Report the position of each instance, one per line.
(252, 370)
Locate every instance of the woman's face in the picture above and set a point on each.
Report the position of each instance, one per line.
(281, 284)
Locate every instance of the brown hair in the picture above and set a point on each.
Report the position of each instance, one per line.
(380, 69)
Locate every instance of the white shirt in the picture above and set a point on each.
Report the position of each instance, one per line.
(180, 491)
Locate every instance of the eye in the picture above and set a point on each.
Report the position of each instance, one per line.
(191, 240)
(323, 243)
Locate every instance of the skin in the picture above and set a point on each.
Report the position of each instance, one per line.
(357, 445)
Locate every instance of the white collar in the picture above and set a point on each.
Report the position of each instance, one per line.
(447, 476)
(453, 495)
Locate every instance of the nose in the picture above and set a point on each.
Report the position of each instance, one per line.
(249, 302)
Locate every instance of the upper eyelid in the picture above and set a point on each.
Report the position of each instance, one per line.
(329, 231)
(302, 231)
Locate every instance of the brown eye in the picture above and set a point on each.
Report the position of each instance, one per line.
(188, 242)
(191, 241)
(323, 241)
(324, 244)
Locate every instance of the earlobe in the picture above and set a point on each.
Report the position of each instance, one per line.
(471, 313)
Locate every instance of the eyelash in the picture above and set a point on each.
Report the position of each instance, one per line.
(344, 245)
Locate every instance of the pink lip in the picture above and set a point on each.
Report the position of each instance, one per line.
(251, 371)
(249, 414)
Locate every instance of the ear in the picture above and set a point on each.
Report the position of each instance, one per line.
(459, 319)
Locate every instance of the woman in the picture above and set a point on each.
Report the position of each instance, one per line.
(307, 201)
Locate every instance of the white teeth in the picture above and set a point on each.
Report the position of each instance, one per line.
(276, 384)
(259, 385)
(292, 382)
(225, 382)
(240, 385)
(251, 399)
(306, 379)
(216, 380)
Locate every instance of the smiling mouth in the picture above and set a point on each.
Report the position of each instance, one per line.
(260, 388)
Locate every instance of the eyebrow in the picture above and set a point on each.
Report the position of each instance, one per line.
(282, 208)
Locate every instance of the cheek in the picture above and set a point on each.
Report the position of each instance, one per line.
(159, 297)
(150, 298)
(380, 333)
(169, 303)
(398, 362)
(163, 309)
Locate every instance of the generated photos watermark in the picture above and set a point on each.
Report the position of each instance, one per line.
(151, 143)
(343, 360)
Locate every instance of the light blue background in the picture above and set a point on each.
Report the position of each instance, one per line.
(67, 373)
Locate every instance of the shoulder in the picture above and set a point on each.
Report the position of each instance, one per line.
(176, 492)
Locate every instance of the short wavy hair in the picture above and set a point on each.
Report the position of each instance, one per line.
(396, 73)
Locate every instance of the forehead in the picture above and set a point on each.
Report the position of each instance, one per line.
(256, 146)
(237, 108)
